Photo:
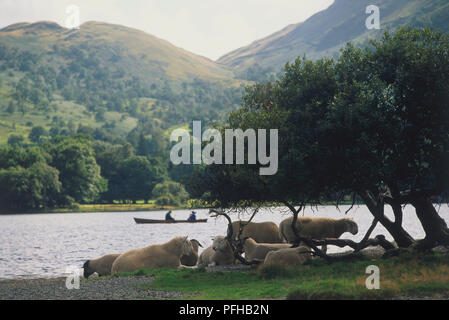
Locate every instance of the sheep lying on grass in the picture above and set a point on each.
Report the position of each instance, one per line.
(220, 253)
(191, 259)
(317, 228)
(288, 257)
(258, 251)
(166, 255)
(262, 232)
(102, 266)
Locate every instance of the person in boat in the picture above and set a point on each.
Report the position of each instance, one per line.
(192, 216)
(168, 216)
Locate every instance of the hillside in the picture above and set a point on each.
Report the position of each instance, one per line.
(104, 79)
(145, 55)
(324, 33)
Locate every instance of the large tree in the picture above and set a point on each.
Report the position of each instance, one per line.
(373, 123)
(139, 177)
(79, 172)
(26, 181)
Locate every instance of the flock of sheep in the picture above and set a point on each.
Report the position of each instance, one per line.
(264, 242)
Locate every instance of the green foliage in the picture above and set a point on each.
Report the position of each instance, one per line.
(375, 119)
(36, 133)
(170, 193)
(16, 140)
(167, 200)
(139, 178)
(26, 181)
(20, 157)
(79, 171)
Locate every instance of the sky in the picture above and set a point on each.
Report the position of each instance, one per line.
(210, 28)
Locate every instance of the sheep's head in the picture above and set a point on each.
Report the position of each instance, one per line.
(87, 271)
(220, 243)
(187, 247)
(351, 226)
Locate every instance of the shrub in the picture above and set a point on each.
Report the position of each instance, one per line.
(170, 193)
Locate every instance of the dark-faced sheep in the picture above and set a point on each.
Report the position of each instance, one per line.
(317, 228)
(262, 232)
(101, 265)
(166, 255)
(220, 253)
(191, 259)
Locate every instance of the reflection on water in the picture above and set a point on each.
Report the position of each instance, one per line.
(44, 245)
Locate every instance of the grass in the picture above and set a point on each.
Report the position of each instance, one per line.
(112, 207)
(150, 206)
(411, 276)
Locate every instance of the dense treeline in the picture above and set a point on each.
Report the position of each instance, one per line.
(68, 170)
(119, 162)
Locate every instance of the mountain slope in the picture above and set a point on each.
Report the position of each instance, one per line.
(106, 80)
(145, 55)
(324, 33)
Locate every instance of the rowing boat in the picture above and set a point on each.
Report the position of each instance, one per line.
(139, 220)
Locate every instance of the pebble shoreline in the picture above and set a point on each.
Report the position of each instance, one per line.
(117, 288)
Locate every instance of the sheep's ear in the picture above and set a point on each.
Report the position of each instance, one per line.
(194, 240)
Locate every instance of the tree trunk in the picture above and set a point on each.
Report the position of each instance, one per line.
(437, 232)
(376, 207)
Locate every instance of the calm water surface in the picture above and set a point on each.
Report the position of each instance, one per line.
(44, 245)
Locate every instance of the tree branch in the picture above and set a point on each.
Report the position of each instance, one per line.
(235, 244)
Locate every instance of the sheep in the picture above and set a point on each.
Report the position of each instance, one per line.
(317, 228)
(258, 251)
(288, 257)
(192, 259)
(262, 232)
(102, 266)
(220, 253)
(166, 255)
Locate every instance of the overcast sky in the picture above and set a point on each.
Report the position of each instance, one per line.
(207, 27)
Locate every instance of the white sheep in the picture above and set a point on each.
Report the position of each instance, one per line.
(102, 266)
(220, 253)
(262, 232)
(258, 251)
(288, 257)
(166, 255)
(191, 259)
(317, 228)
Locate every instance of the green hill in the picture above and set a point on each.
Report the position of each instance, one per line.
(324, 33)
(145, 56)
(106, 80)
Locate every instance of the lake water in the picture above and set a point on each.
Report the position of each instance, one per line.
(44, 245)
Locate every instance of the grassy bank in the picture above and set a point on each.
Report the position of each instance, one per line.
(138, 206)
(407, 276)
(113, 207)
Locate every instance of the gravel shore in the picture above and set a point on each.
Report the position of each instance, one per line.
(121, 288)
